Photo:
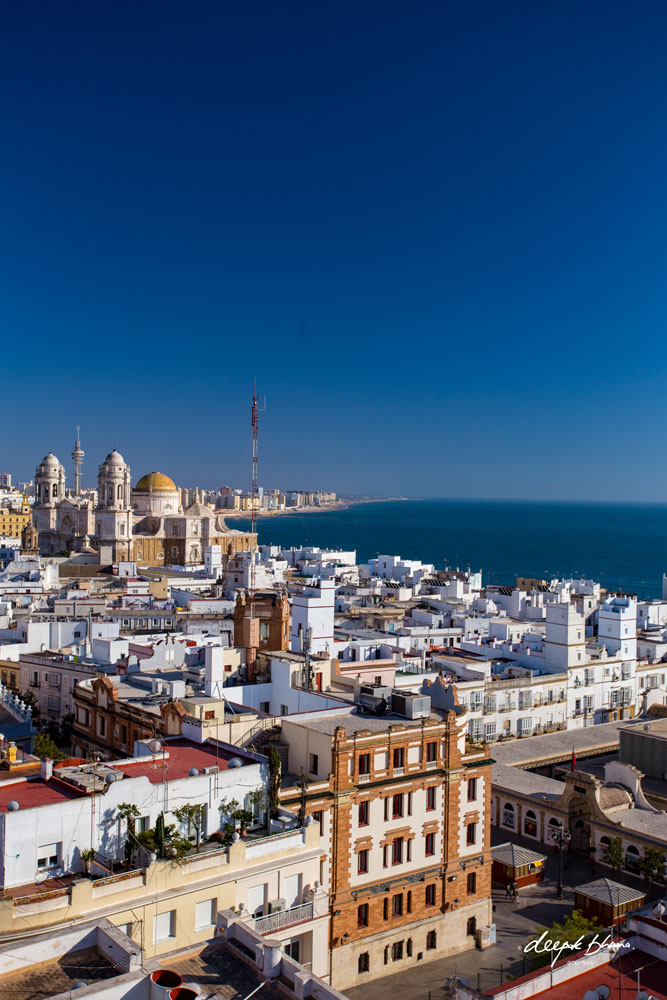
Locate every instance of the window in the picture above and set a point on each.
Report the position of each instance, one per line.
(284, 710)
(397, 807)
(430, 798)
(530, 823)
(508, 815)
(362, 915)
(292, 948)
(397, 851)
(205, 914)
(362, 862)
(363, 814)
(164, 925)
(398, 757)
(472, 789)
(429, 895)
(471, 833)
(364, 963)
(429, 842)
(385, 908)
(431, 751)
(364, 763)
(472, 883)
(471, 926)
(386, 954)
(314, 763)
(397, 951)
(142, 825)
(408, 901)
(48, 856)
(397, 905)
(431, 941)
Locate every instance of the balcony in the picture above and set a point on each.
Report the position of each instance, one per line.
(284, 918)
(364, 779)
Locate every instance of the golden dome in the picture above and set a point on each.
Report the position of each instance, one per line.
(156, 482)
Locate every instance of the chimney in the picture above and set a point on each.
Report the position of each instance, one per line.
(47, 769)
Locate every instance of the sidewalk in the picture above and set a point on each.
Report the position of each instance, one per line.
(515, 926)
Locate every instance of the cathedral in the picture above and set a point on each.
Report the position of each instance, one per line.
(145, 523)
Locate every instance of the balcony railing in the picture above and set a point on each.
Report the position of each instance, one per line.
(284, 918)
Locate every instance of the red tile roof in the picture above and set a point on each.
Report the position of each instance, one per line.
(179, 758)
(620, 976)
(34, 792)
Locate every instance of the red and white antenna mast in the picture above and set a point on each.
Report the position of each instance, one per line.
(255, 490)
(252, 642)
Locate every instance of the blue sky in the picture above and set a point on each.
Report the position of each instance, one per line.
(436, 234)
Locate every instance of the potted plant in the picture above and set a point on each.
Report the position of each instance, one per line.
(86, 856)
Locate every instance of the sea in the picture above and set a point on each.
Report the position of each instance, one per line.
(622, 545)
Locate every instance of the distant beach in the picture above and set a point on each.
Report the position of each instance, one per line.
(322, 508)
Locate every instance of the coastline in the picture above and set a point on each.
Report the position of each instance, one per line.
(325, 508)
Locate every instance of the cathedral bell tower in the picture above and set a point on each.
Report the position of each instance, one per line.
(113, 514)
(49, 491)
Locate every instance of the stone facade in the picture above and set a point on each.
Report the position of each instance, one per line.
(102, 722)
(406, 885)
(145, 524)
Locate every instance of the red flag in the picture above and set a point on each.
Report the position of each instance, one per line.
(574, 760)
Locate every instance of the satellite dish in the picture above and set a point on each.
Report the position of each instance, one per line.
(463, 982)
(154, 746)
(602, 991)
(193, 772)
(235, 762)
(591, 995)
(647, 727)
(13, 806)
(111, 777)
(642, 995)
(78, 984)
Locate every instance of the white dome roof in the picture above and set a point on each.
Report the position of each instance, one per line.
(50, 461)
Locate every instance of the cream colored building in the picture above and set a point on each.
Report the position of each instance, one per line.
(145, 523)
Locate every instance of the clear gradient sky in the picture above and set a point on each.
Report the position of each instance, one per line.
(436, 233)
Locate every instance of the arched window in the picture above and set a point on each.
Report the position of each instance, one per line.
(110, 494)
(508, 815)
(603, 844)
(632, 858)
(530, 823)
(55, 490)
(119, 492)
(553, 823)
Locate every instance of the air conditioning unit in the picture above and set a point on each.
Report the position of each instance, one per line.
(210, 770)
(411, 706)
(276, 905)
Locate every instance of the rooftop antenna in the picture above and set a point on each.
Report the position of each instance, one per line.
(77, 457)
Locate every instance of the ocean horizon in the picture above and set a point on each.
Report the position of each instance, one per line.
(622, 544)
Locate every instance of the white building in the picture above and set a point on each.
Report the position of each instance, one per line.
(312, 618)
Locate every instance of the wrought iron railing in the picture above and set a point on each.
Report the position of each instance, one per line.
(284, 918)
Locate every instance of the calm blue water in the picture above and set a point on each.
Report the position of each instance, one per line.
(624, 546)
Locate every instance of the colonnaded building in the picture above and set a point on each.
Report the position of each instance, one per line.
(146, 523)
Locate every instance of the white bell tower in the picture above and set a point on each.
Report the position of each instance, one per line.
(113, 514)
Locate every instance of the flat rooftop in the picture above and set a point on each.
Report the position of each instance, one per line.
(553, 748)
(180, 757)
(619, 976)
(354, 723)
(47, 979)
(33, 792)
(220, 973)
